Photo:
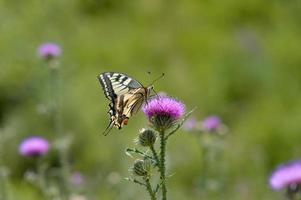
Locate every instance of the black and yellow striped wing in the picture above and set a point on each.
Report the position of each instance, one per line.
(115, 84)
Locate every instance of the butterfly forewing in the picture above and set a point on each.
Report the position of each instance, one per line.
(115, 84)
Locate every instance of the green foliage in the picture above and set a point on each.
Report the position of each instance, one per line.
(237, 59)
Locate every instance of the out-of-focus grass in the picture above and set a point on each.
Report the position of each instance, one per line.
(238, 59)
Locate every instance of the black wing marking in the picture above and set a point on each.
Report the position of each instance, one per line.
(107, 87)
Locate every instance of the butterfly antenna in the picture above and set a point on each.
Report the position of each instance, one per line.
(159, 77)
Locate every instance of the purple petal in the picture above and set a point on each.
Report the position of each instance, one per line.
(164, 106)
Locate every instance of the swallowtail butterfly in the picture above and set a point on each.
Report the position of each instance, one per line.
(126, 96)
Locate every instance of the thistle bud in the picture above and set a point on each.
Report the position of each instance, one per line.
(140, 168)
(146, 137)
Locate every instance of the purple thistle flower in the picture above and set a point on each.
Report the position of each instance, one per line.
(163, 111)
(211, 123)
(164, 106)
(49, 50)
(34, 147)
(190, 124)
(286, 175)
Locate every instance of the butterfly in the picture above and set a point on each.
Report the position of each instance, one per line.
(126, 96)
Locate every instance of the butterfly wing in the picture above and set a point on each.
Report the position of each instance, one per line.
(118, 88)
(115, 84)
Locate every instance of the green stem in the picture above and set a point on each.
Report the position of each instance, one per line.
(65, 172)
(139, 152)
(135, 181)
(3, 194)
(42, 181)
(58, 127)
(162, 163)
(155, 155)
(55, 104)
(204, 160)
(149, 189)
(157, 188)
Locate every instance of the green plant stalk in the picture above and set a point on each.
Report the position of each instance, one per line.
(204, 160)
(155, 155)
(55, 98)
(162, 164)
(42, 180)
(139, 152)
(3, 193)
(65, 169)
(58, 128)
(135, 181)
(149, 189)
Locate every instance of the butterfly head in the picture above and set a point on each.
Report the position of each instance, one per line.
(150, 88)
(148, 91)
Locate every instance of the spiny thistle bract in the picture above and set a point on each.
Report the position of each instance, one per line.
(146, 137)
(140, 168)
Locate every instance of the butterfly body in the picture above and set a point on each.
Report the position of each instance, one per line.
(126, 96)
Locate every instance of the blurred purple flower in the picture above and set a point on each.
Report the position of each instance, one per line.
(190, 124)
(212, 123)
(34, 147)
(286, 175)
(49, 50)
(164, 106)
(77, 179)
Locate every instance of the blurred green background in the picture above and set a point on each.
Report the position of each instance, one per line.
(237, 59)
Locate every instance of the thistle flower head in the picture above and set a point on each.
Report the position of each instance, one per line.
(286, 175)
(211, 123)
(190, 124)
(163, 111)
(49, 51)
(34, 147)
(163, 105)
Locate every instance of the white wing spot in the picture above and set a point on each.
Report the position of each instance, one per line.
(126, 82)
(115, 83)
